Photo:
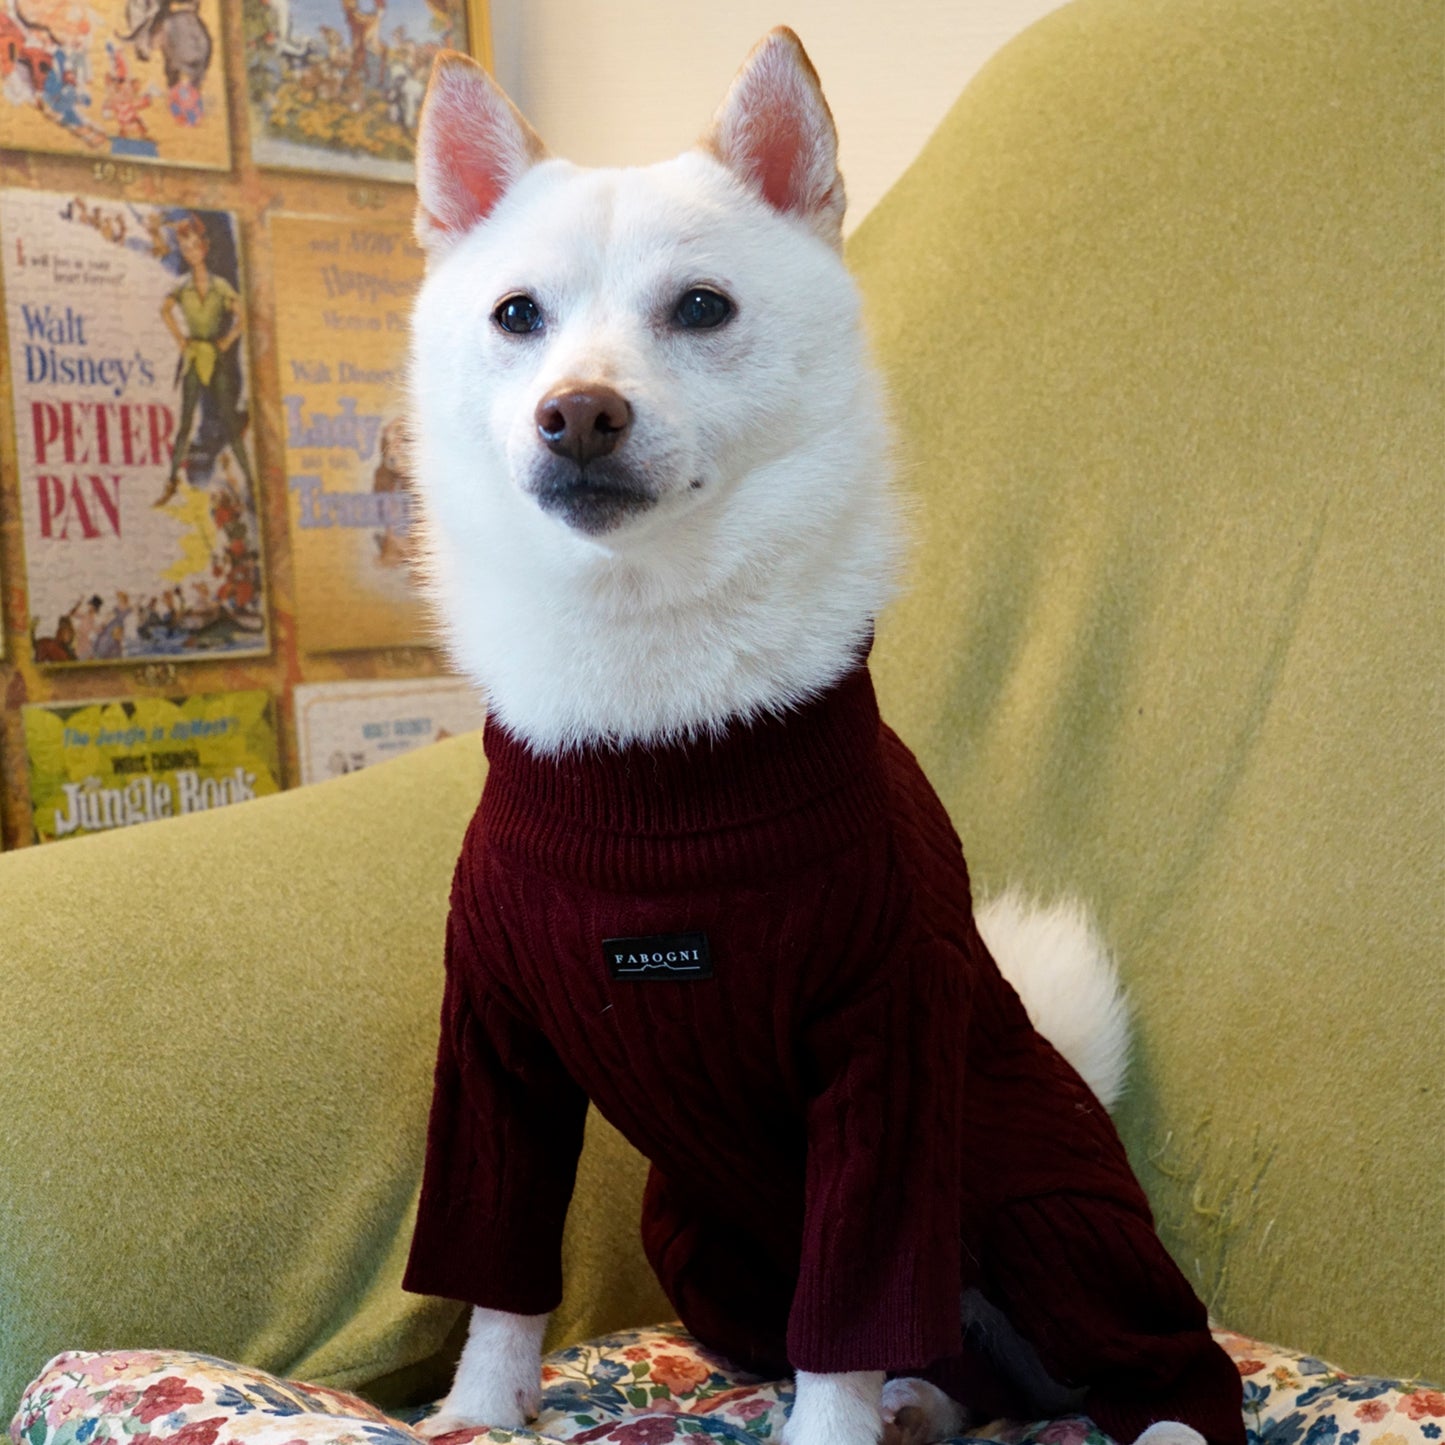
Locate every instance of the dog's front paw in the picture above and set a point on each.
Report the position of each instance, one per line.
(445, 1423)
(1170, 1432)
(499, 1377)
(841, 1409)
(508, 1406)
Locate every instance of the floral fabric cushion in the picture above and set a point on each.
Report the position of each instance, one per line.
(642, 1387)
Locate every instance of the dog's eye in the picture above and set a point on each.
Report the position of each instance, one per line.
(519, 315)
(701, 309)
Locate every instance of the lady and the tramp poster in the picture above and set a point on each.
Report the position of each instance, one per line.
(132, 408)
(341, 334)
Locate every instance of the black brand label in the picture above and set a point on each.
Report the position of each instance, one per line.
(665, 955)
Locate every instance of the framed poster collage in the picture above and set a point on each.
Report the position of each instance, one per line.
(206, 265)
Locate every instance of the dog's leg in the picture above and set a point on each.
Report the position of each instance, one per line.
(842, 1409)
(921, 1413)
(499, 1376)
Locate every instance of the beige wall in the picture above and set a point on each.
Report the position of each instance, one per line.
(623, 82)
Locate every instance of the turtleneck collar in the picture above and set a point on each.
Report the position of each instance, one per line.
(761, 797)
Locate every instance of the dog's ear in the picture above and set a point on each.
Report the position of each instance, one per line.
(472, 145)
(774, 129)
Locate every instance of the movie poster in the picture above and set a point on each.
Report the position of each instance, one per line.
(342, 303)
(102, 765)
(344, 726)
(132, 400)
(337, 85)
(134, 80)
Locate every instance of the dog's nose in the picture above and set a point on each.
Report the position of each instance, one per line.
(583, 422)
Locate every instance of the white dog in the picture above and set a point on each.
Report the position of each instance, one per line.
(657, 505)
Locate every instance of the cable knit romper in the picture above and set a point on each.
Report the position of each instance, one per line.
(756, 955)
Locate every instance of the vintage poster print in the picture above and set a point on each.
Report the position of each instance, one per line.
(138, 80)
(343, 726)
(336, 85)
(343, 296)
(102, 765)
(132, 403)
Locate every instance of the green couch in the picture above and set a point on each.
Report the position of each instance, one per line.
(1160, 307)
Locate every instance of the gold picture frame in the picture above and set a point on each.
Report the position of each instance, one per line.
(479, 33)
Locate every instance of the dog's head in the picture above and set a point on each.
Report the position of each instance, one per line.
(620, 349)
(647, 438)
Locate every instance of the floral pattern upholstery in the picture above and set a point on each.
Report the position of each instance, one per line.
(642, 1387)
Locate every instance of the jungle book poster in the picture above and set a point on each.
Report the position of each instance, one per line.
(341, 337)
(134, 80)
(96, 766)
(132, 402)
(337, 85)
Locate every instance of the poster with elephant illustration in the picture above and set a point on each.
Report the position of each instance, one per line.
(132, 408)
(337, 85)
(133, 80)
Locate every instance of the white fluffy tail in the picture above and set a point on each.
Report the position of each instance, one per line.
(1063, 972)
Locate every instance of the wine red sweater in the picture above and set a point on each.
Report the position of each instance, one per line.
(756, 955)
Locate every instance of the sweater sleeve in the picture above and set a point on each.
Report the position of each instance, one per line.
(880, 1283)
(502, 1147)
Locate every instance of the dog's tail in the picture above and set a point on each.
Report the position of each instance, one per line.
(1063, 972)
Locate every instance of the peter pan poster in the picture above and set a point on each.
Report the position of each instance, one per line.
(98, 766)
(337, 85)
(341, 335)
(133, 80)
(131, 391)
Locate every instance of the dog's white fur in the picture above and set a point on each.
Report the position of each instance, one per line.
(769, 546)
(1060, 967)
(499, 1376)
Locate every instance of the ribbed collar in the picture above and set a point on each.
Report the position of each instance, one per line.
(762, 798)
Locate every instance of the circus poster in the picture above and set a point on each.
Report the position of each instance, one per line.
(337, 85)
(133, 80)
(343, 298)
(131, 391)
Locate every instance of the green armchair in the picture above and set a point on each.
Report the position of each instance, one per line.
(1160, 309)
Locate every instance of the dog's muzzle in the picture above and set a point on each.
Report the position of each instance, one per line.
(592, 501)
(584, 482)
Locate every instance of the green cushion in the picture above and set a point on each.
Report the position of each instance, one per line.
(220, 1033)
(1160, 305)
